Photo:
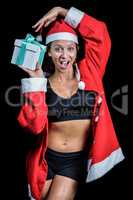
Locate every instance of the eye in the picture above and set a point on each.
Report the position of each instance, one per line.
(71, 49)
(58, 49)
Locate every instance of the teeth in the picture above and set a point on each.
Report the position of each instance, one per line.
(64, 63)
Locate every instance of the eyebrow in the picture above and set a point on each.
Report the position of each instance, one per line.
(59, 45)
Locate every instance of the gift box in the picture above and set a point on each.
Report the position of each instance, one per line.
(28, 52)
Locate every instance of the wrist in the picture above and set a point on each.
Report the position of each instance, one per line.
(36, 76)
(63, 12)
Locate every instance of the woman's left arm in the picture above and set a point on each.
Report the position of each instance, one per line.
(95, 35)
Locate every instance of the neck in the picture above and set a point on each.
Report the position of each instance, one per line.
(64, 76)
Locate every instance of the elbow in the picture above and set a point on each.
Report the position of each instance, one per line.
(36, 127)
(33, 126)
(107, 36)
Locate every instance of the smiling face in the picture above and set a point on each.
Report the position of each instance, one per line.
(63, 54)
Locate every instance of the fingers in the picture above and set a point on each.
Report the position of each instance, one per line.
(35, 25)
(38, 26)
(38, 66)
(25, 69)
(45, 20)
(49, 21)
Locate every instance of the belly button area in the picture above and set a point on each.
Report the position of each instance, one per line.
(65, 144)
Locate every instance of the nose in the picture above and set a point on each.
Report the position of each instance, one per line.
(64, 53)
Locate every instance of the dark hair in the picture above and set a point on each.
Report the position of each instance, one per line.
(48, 65)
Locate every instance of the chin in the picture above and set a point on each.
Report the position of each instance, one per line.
(60, 68)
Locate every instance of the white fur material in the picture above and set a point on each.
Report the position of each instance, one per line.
(73, 17)
(61, 36)
(99, 169)
(81, 85)
(33, 85)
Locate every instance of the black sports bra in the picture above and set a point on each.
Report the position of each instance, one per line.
(78, 106)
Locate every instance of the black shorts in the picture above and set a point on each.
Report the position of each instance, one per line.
(72, 165)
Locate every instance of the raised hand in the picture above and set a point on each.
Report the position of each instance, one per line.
(49, 17)
(38, 72)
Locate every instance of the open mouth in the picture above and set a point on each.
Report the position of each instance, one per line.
(64, 64)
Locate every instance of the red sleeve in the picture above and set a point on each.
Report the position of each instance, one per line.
(97, 42)
(33, 114)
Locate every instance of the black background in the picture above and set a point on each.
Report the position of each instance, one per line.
(16, 23)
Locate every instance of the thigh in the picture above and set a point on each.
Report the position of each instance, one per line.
(62, 188)
(46, 189)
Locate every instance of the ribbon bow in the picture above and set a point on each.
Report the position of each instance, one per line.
(30, 39)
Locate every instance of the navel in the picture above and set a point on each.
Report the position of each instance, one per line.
(65, 144)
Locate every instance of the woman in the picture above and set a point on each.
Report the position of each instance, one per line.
(76, 139)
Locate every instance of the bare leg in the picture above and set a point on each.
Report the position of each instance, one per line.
(46, 189)
(62, 188)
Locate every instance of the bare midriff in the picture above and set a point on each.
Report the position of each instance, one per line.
(68, 136)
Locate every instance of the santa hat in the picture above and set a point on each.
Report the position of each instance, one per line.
(59, 30)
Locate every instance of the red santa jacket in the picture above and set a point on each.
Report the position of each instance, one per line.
(105, 151)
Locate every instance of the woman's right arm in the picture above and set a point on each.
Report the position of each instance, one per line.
(33, 113)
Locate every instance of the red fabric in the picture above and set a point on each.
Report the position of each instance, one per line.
(92, 68)
(59, 26)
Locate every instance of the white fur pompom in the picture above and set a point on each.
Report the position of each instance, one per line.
(39, 38)
(100, 100)
(81, 85)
